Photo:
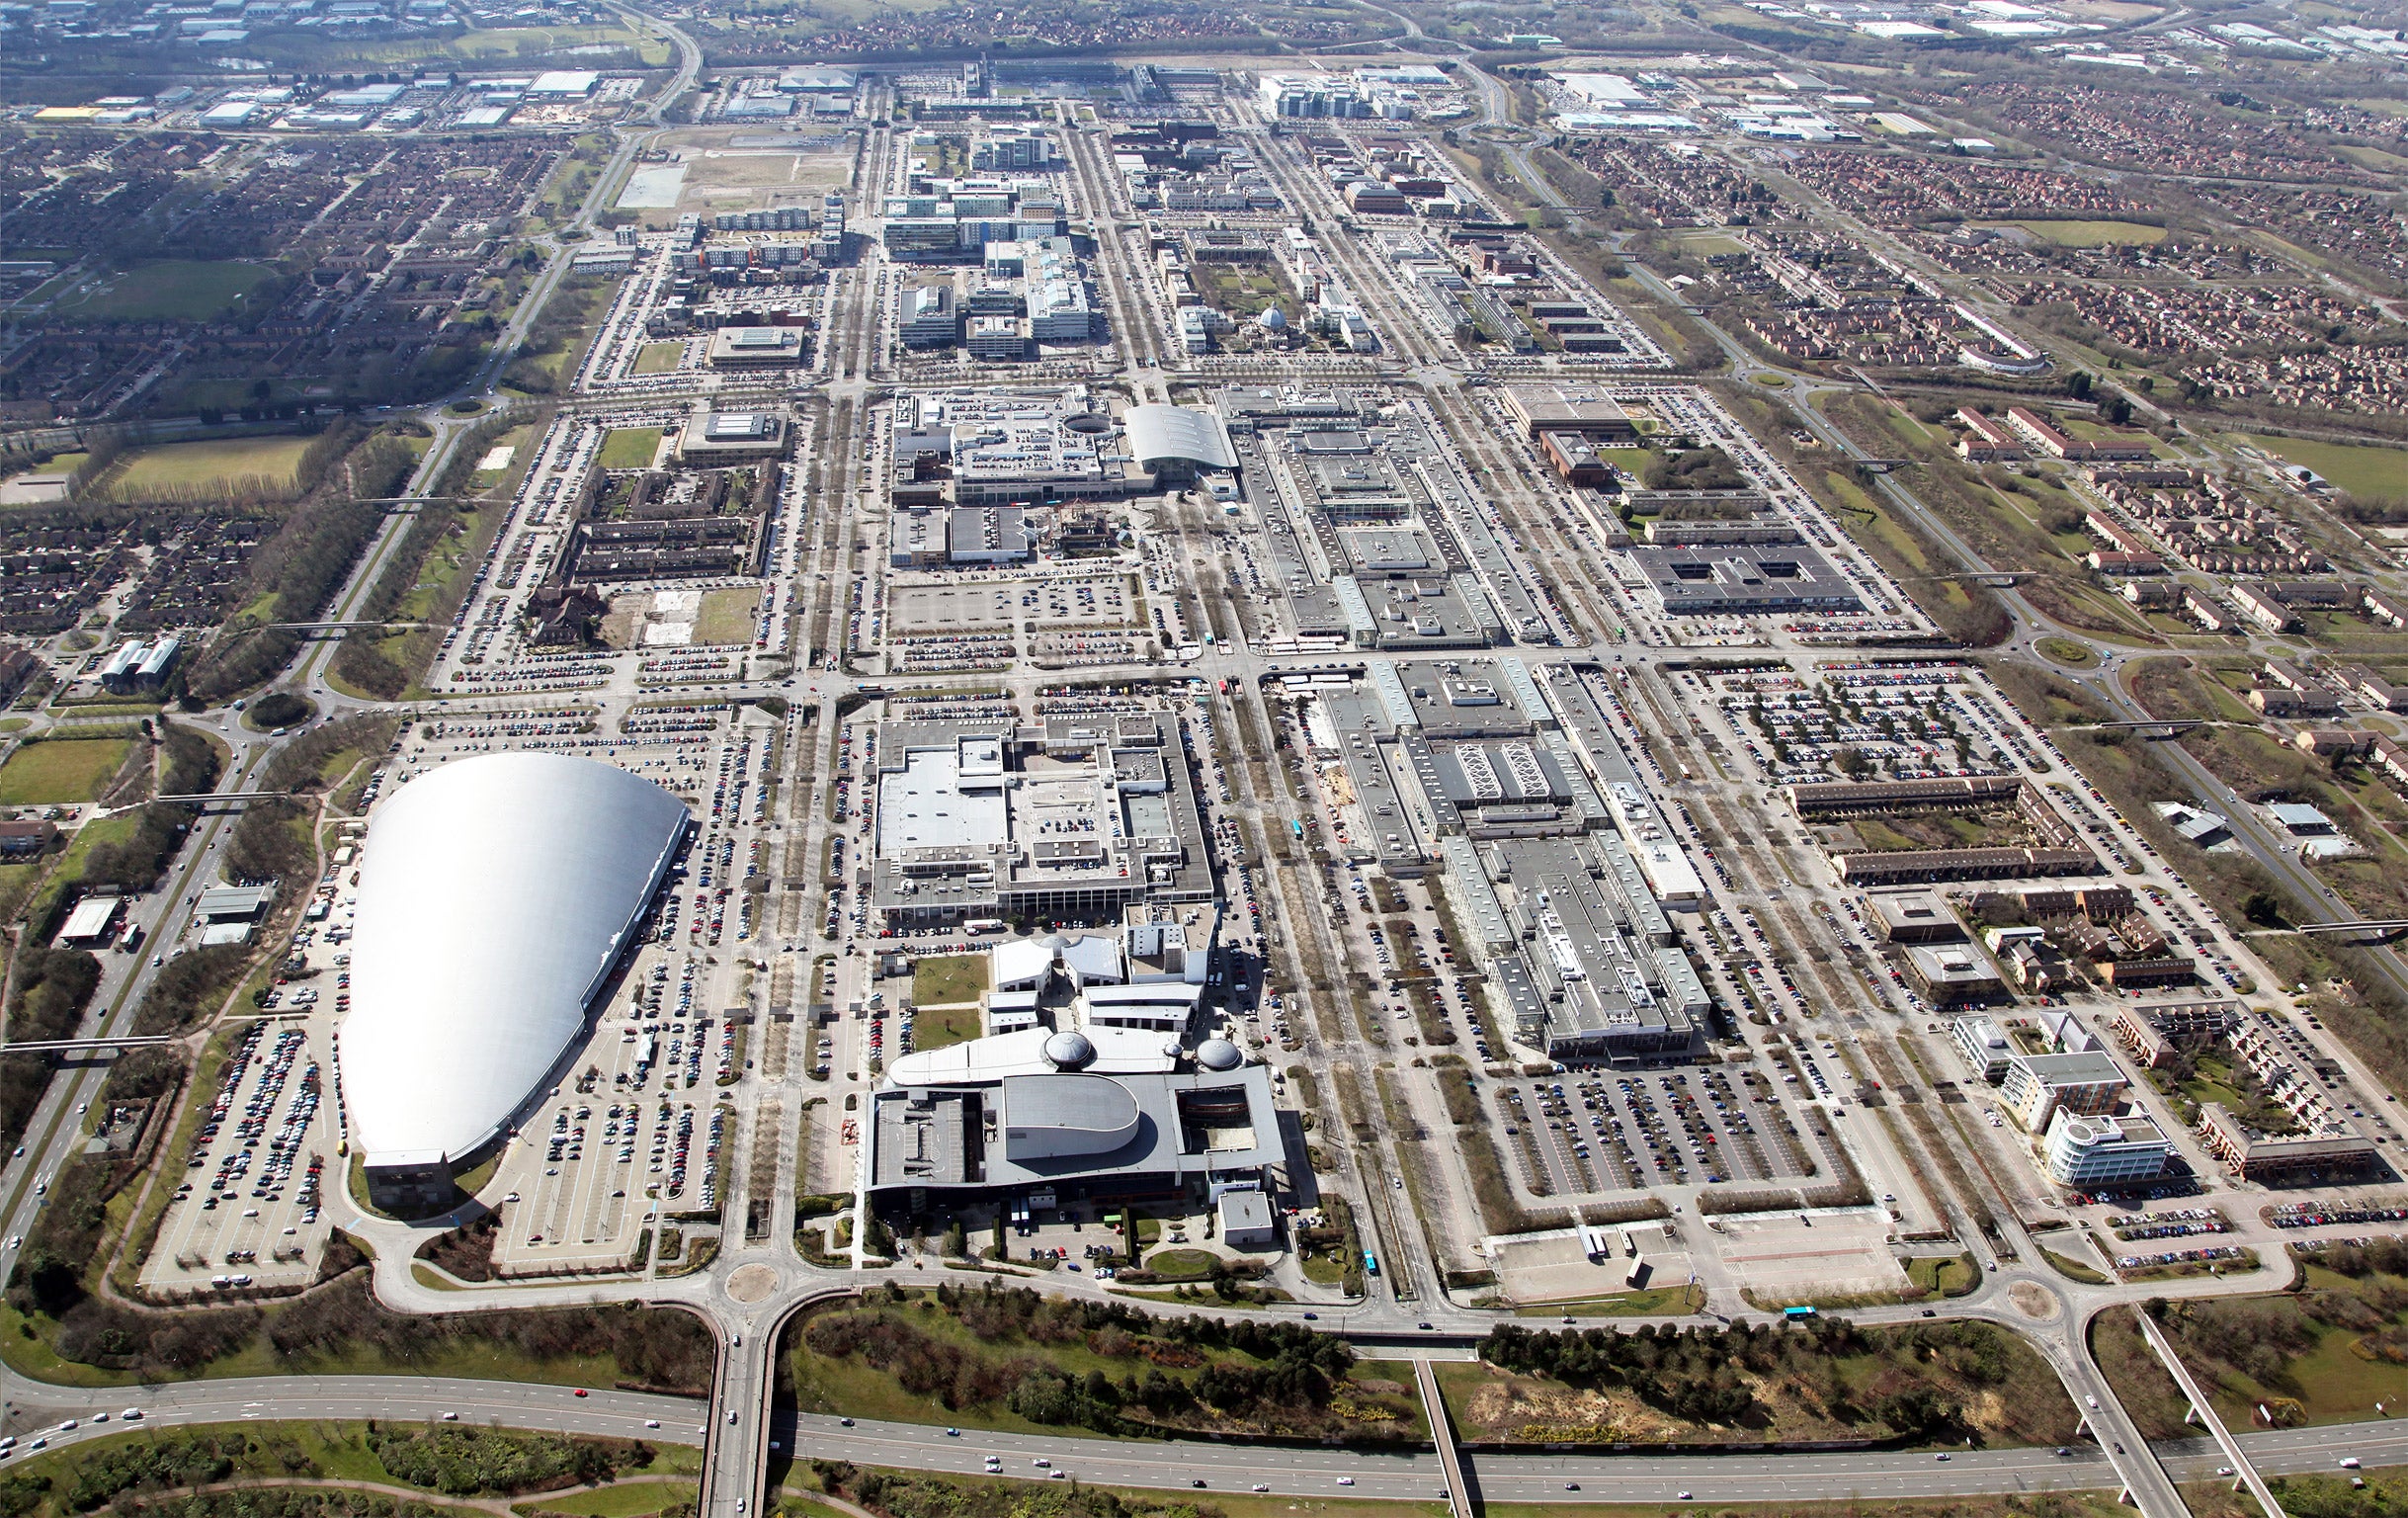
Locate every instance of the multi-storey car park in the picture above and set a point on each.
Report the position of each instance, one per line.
(1348, 744)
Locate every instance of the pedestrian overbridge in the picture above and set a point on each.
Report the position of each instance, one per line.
(2148, 729)
(81, 1046)
(2204, 1413)
(1441, 1433)
(2376, 925)
(230, 800)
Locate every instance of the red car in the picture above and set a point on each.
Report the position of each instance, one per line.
(581, 1392)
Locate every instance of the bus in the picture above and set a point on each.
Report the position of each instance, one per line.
(1299, 828)
(1795, 1314)
(1370, 1263)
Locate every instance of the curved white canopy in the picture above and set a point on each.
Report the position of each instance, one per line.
(1188, 434)
(494, 896)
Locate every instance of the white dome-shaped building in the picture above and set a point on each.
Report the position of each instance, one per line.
(496, 896)
(1069, 1049)
(1273, 319)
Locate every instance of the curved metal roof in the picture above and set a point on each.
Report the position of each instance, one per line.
(1178, 431)
(495, 893)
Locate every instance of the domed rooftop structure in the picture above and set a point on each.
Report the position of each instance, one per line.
(1273, 319)
(1220, 1054)
(496, 894)
(1069, 1049)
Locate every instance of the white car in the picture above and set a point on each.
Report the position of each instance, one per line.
(1346, 1481)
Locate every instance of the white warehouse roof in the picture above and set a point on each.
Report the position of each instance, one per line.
(1191, 433)
(495, 893)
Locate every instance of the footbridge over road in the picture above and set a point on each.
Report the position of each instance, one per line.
(2375, 926)
(83, 1045)
(2244, 1475)
(2149, 728)
(206, 800)
(1442, 1432)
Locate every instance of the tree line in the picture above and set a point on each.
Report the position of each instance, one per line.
(53, 986)
(300, 567)
(1288, 1383)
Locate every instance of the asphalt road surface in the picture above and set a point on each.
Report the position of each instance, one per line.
(1135, 1463)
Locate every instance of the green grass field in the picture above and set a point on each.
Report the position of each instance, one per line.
(944, 1026)
(728, 615)
(1648, 1302)
(1944, 1275)
(1181, 1264)
(70, 867)
(476, 46)
(15, 882)
(216, 464)
(2064, 651)
(60, 770)
(2369, 472)
(659, 358)
(2092, 234)
(940, 978)
(175, 290)
(629, 448)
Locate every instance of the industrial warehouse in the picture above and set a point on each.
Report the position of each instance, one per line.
(1561, 866)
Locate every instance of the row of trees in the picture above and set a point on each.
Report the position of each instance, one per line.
(188, 988)
(53, 987)
(997, 1313)
(383, 664)
(301, 567)
(662, 1349)
(271, 840)
(1289, 1380)
(460, 1461)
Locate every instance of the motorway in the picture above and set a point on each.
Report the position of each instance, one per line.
(1531, 1478)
